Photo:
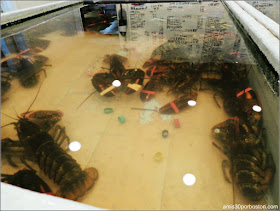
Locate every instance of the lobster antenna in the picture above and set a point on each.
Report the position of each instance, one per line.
(251, 66)
(7, 124)
(35, 97)
(233, 189)
(145, 109)
(85, 99)
(9, 116)
(16, 112)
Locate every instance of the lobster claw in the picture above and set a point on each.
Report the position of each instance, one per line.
(137, 79)
(149, 90)
(179, 104)
(149, 63)
(27, 179)
(250, 108)
(225, 132)
(102, 82)
(45, 118)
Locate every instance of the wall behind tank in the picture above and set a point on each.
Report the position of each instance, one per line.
(12, 11)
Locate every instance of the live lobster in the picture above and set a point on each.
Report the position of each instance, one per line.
(183, 79)
(59, 166)
(47, 120)
(132, 79)
(242, 140)
(54, 161)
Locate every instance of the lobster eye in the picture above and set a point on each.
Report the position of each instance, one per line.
(217, 130)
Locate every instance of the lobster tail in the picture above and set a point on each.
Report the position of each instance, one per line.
(77, 183)
(56, 163)
(65, 171)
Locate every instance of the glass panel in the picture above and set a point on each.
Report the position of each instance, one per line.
(163, 111)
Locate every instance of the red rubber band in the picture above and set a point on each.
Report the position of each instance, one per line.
(174, 107)
(40, 49)
(244, 91)
(177, 123)
(248, 89)
(22, 52)
(152, 73)
(240, 93)
(149, 92)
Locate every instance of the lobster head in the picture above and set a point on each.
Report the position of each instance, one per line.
(44, 118)
(26, 128)
(226, 130)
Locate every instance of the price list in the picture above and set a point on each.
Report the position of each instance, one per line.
(184, 30)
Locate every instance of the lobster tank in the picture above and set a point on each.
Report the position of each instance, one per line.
(143, 156)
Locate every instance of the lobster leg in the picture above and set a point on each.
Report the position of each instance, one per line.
(102, 82)
(149, 90)
(22, 159)
(226, 165)
(6, 79)
(270, 169)
(27, 179)
(61, 136)
(10, 161)
(11, 148)
(215, 99)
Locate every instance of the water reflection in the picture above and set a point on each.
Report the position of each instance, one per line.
(269, 8)
(20, 52)
(21, 61)
(100, 18)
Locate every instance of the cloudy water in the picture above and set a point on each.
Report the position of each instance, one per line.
(179, 129)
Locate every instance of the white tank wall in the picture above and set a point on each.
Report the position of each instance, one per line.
(15, 198)
(266, 35)
(262, 33)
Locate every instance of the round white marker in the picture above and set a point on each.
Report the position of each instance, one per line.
(191, 103)
(75, 146)
(257, 108)
(116, 83)
(189, 179)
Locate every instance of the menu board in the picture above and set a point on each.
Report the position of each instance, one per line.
(184, 31)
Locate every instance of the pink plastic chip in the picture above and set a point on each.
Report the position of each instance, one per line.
(177, 123)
